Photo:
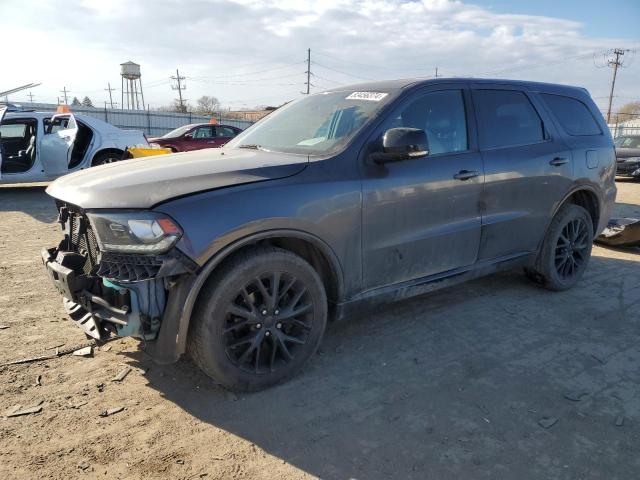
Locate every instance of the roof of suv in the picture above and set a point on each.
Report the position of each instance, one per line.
(403, 83)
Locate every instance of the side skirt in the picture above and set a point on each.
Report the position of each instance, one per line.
(369, 299)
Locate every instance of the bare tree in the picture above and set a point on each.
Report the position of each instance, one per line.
(628, 111)
(207, 105)
(86, 102)
(75, 102)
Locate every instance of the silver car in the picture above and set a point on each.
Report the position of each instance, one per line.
(41, 146)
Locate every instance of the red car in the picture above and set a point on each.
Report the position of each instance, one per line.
(196, 136)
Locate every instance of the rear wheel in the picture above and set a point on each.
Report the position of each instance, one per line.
(566, 249)
(104, 158)
(258, 319)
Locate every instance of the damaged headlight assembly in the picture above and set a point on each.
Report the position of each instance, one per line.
(141, 232)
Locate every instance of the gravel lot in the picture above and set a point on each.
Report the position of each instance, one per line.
(462, 383)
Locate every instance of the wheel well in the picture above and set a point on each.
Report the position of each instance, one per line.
(116, 151)
(589, 201)
(307, 250)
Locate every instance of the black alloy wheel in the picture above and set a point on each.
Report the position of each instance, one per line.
(258, 319)
(565, 251)
(267, 321)
(572, 248)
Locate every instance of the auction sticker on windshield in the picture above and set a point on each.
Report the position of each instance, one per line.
(371, 96)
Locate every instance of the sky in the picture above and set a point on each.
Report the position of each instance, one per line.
(250, 53)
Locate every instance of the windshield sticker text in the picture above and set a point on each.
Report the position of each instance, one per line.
(371, 96)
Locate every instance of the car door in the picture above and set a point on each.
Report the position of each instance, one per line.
(223, 134)
(422, 216)
(57, 144)
(3, 111)
(527, 166)
(202, 137)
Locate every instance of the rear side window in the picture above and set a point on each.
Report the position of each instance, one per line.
(506, 118)
(573, 115)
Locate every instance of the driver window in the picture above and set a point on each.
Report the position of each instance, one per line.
(442, 116)
(202, 132)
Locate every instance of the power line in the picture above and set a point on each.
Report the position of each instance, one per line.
(342, 72)
(248, 73)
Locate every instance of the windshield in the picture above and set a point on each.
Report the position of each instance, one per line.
(315, 125)
(627, 142)
(177, 132)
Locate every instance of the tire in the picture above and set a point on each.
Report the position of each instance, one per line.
(566, 249)
(245, 336)
(104, 158)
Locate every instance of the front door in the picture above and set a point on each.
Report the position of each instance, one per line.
(422, 216)
(202, 137)
(528, 169)
(57, 144)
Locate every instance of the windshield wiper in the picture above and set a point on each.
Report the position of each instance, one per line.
(252, 146)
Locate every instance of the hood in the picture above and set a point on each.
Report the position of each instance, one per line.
(627, 152)
(145, 182)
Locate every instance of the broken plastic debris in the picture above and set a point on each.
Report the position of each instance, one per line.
(619, 421)
(2, 327)
(548, 422)
(575, 396)
(84, 352)
(18, 410)
(111, 411)
(121, 374)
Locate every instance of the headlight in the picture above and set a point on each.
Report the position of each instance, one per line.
(134, 232)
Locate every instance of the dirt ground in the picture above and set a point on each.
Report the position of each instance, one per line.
(462, 383)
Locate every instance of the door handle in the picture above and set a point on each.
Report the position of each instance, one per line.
(556, 162)
(465, 175)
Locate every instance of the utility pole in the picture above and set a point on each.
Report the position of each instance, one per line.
(30, 97)
(65, 91)
(179, 86)
(436, 72)
(109, 89)
(618, 52)
(308, 72)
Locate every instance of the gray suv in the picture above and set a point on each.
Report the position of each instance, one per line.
(327, 207)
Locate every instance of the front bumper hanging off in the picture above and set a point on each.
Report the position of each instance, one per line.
(104, 307)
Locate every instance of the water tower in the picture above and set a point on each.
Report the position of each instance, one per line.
(131, 85)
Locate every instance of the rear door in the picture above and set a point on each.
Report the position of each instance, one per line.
(57, 144)
(527, 165)
(223, 134)
(3, 110)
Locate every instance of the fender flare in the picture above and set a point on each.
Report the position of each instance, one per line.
(202, 276)
(574, 189)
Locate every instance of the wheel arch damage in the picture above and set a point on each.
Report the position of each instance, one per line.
(172, 339)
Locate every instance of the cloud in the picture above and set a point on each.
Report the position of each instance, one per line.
(221, 44)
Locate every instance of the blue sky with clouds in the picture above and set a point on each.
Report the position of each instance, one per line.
(252, 52)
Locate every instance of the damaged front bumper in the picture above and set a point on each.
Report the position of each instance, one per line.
(105, 307)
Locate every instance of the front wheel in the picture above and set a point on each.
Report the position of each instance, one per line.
(258, 319)
(566, 249)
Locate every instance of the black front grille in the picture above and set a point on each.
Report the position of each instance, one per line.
(129, 267)
(83, 241)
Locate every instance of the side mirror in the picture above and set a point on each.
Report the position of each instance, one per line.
(188, 135)
(402, 144)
